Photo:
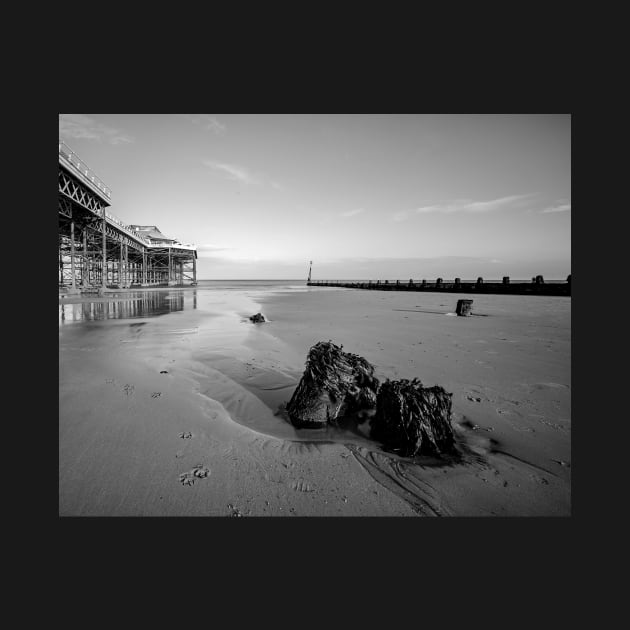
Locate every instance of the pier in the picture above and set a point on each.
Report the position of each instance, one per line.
(98, 252)
(536, 286)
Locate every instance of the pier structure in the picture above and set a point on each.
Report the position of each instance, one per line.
(98, 251)
(536, 286)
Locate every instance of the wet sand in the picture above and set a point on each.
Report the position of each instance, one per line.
(170, 404)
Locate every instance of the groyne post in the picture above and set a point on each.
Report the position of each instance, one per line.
(463, 307)
(493, 286)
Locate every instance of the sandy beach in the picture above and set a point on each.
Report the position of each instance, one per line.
(170, 404)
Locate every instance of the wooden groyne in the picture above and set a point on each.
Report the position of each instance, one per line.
(536, 286)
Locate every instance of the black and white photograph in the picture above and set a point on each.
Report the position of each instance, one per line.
(314, 315)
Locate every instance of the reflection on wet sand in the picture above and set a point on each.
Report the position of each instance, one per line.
(148, 304)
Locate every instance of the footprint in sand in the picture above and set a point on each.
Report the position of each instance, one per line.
(474, 398)
(198, 472)
(531, 387)
(562, 463)
(538, 479)
(235, 511)
(302, 486)
(553, 425)
(509, 417)
(185, 435)
(156, 394)
(128, 389)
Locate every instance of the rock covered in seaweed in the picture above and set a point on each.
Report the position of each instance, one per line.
(258, 318)
(334, 383)
(413, 420)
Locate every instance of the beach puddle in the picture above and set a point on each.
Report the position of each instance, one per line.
(134, 305)
(255, 397)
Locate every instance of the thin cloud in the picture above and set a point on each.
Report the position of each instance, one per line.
(403, 215)
(208, 250)
(468, 205)
(559, 207)
(352, 213)
(84, 127)
(209, 247)
(233, 172)
(240, 174)
(207, 122)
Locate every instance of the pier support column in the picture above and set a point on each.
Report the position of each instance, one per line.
(126, 275)
(169, 265)
(84, 266)
(194, 268)
(144, 266)
(72, 253)
(104, 270)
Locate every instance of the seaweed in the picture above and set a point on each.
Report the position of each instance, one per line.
(411, 419)
(334, 384)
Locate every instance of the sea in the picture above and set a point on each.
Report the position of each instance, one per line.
(291, 285)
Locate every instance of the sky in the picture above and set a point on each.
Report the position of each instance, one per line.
(363, 196)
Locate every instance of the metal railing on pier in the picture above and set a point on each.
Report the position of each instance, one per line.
(85, 171)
